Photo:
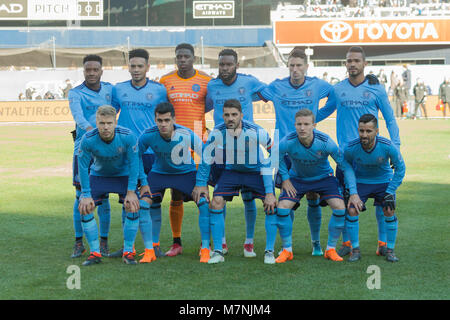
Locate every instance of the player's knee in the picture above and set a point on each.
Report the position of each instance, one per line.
(146, 200)
(285, 204)
(144, 204)
(352, 212)
(217, 203)
(336, 204)
(388, 212)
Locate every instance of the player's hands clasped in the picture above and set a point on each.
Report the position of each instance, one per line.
(270, 203)
(86, 206)
(131, 202)
(199, 192)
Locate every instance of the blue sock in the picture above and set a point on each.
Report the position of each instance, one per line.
(224, 217)
(91, 231)
(381, 224)
(155, 214)
(130, 230)
(250, 214)
(391, 231)
(314, 215)
(352, 226)
(145, 224)
(203, 222)
(124, 215)
(216, 222)
(284, 223)
(104, 217)
(77, 216)
(271, 231)
(335, 227)
(292, 214)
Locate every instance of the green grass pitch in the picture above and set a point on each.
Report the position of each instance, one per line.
(36, 235)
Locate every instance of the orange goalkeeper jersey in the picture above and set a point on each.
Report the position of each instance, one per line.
(188, 98)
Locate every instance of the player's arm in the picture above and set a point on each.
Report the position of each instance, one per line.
(86, 204)
(283, 171)
(326, 91)
(258, 87)
(131, 200)
(388, 115)
(196, 143)
(399, 169)
(77, 111)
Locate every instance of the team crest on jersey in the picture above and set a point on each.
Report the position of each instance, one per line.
(242, 90)
(366, 94)
(196, 87)
(319, 153)
(107, 97)
(149, 96)
(308, 93)
(343, 94)
(125, 95)
(120, 150)
(380, 159)
(172, 88)
(218, 93)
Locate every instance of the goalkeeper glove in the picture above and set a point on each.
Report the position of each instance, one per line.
(389, 201)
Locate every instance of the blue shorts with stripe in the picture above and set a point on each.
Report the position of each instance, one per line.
(376, 191)
(101, 187)
(327, 188)
(148, 160)
(158, 184)
(231, 182)
(75, 175)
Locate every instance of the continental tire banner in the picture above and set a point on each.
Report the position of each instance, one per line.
(316, 32)
(35, 111)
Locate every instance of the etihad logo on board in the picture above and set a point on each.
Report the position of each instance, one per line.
(213, 9)
(13, 9)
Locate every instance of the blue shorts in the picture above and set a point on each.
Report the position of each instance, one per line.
(375, 191)
(158, 184)
(327, 188)
(101, 187)
(148, 160)
(215, 173)
(278, 180)
(231, 182)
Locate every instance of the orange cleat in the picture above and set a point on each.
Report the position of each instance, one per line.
(331, 254)
(382, 248)
(149, 256)
(284, 256)
(204, 255)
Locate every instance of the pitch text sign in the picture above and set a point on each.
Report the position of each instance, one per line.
(213, 9)
(51, 9)
(374, 31)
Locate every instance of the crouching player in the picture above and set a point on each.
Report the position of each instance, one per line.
(308, 149)
(245, 167)
(115, 169)
(173, 168)
(370, 156)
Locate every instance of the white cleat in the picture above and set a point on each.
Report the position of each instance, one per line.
(269, 258)
(216, 257)
(248, 250)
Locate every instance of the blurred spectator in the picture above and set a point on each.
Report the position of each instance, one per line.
(29, 93)
(22, 96)
(444, 94)
(401, 98)
(325, 76)
(420, 98)
(66, 89)
(48, 96)
(382, 78)
(394, 82)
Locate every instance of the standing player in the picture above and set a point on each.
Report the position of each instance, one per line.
(420, 98)
(308, 150)
(289, 95)
(174, 166)
(355, 96)
(137, 99)
(115, 169)
(186, 90)
(83, 102)
(371, 156)
(444, 95)
(245, 168)
(246, 89)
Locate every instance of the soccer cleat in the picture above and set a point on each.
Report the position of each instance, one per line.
(284, 256)
(248, 250)
(104, 249)
(204, 255)
(345, 249)
(216, 257)
(317, 249)
(382, 247)
(149, 256)
(331, 254)
(78, 249)
(224, 248)
(158, 251)
(175, 250)
(128, 258)
(119, 253)
(355, 256)
(94, 258)
(390, 256)
(269, 257)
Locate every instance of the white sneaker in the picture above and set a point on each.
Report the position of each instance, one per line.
(269, 258)
(248, 250)
(216, 257)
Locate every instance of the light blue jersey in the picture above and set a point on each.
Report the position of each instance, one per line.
(245, 89)
(171, 156)
(373, 167)
(288, 99)
(83, 103)
(118, 158)
(243, 153)
(137, 105)
(354, 101)
(311, 163)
